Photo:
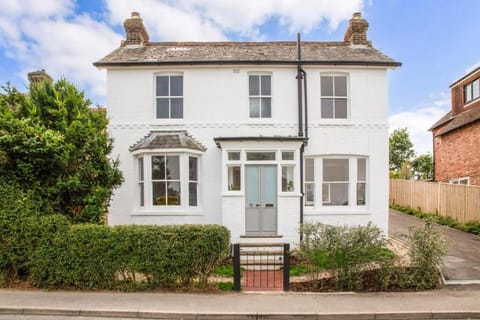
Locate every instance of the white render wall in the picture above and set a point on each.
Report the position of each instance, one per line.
(216, 105)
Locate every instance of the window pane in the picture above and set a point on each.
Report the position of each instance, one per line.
(325, 194)
(173, 193)
(177, 108)
(266, 85)
(192, 169)
(335, 170)
(173, 168)
(163, 108)
(140, 169)
(476, 89)
(260, 156)
(326, 86)
(234, 176)
(232, 156)
(309, 194)
(162, 86)
(361, 194)
(340, 108)
(142, 194)
(468, 92)
(192, 194)
(158, 168)
(266, 107)
(254, 107)
(287, 155)
(361, 170)
(309, 170)
(158, 193)
(338, 194)
(254, 85)
(341, 86)
(327, 108)
(287, 179)
(176, 86)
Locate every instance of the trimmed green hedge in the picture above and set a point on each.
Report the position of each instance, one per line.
(53, 254)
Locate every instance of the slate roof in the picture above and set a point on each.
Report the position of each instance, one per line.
(454, 122)
(176, 53)
(168, 140)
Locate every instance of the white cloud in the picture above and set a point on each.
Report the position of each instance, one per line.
(419, 121)
(212, 19)
(47, 35)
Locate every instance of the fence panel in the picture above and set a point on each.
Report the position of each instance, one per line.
(456, 201)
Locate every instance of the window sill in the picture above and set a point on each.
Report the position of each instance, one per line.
(169, 212)
(289, 194)
(337, 211)
(233, 194)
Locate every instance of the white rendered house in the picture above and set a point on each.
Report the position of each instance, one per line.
(256, 136)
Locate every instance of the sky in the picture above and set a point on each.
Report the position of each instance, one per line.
(437, 41)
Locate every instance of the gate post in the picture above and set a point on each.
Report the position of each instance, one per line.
(286, 267)
(236, 267)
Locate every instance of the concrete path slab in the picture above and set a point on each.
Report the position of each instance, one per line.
(462, 262)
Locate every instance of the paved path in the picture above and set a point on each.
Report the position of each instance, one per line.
(448, 303)
(463, 258)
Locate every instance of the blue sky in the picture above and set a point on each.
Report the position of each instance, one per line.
(436, 40)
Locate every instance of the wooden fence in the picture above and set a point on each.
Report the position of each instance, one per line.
(456, 201)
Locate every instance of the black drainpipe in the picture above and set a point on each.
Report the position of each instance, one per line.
(300, 125)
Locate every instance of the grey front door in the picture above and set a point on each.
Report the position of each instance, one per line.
(261, 200)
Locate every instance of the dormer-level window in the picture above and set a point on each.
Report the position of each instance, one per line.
(260, 95)
(471, 91)
(169, 96)
(334, 97)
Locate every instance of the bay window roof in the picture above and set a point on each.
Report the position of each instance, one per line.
(168, 140)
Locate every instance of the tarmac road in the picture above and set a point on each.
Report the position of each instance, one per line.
(462, 262)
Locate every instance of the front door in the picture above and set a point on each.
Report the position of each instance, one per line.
(261, 200)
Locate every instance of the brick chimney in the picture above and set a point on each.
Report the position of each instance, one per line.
(135, 30)
(38, 76)
(356, 33)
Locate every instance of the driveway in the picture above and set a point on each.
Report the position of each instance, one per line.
(462, 262)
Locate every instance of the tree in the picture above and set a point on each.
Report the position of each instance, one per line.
(54, 146)
(423, 166)
(401, 149)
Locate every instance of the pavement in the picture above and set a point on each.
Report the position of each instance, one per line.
(462, 263)
(456, 302)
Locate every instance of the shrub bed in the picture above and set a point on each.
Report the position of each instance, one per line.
(51, 253)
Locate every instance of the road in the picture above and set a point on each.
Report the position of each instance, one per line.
(463, 258)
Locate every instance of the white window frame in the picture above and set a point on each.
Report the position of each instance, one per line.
(260, 96)
(184, 208)
(347, 97)
(290, 164)
(460, 181)
(470, 88)
(318, 183)
(169, 97)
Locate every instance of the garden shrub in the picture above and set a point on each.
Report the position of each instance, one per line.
(427, 249)
(345, 250)
(130, 257)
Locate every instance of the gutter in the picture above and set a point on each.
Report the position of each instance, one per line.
(247, 62)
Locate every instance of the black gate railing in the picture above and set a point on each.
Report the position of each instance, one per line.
(261, 266)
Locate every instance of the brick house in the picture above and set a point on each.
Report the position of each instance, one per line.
(456, 136)
(220, 132)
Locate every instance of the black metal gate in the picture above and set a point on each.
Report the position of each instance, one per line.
(261, 266)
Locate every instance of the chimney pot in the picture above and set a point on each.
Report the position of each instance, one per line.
(135, 14)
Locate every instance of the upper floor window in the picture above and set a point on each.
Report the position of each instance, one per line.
(471, 91)
(169, 96)
(260, 96)
(334, 98)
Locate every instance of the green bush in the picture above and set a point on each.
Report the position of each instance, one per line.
(130, 257)
(427, 249)
(345, 250)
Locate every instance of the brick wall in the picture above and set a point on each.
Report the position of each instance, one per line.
(457, 154)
